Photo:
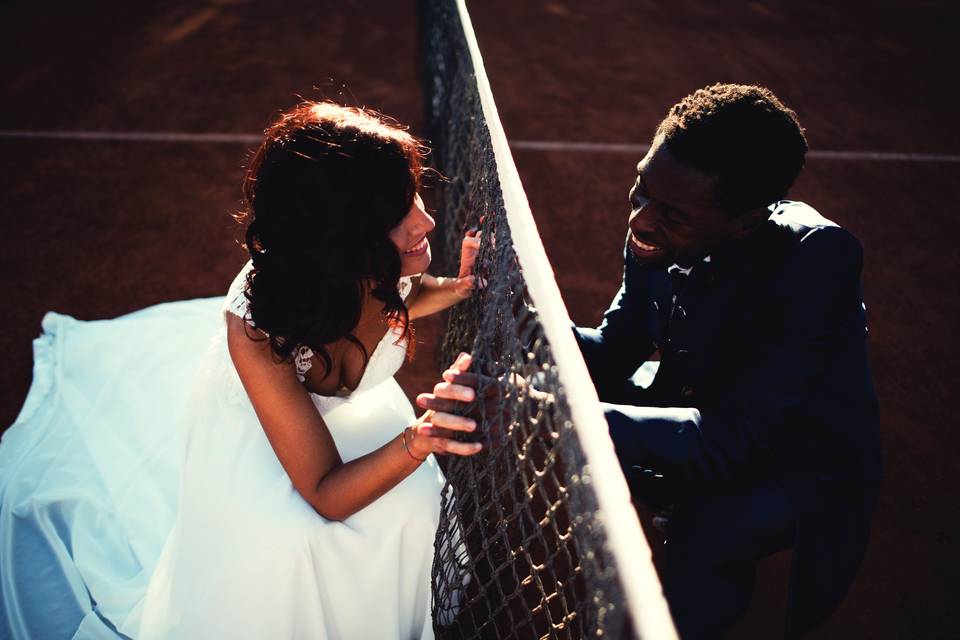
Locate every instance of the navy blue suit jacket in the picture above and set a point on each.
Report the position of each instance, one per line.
(763, 377)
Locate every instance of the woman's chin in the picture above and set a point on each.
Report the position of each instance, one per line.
(412, 265)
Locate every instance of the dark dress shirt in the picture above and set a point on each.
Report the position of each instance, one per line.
(763, 378)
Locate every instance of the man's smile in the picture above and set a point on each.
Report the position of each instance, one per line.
(640, 244)
(643, 247)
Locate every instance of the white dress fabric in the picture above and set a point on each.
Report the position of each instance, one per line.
(139, 496)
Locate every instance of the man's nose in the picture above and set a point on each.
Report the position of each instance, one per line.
(644, 219)
(638, 214)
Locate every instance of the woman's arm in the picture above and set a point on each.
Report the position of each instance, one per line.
(303, 443)
(436, 294)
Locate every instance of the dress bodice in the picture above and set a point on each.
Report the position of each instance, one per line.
(387, 357)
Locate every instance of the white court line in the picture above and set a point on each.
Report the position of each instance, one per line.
(520, 145)
(636, 149)
(585, 147)
(134, 136)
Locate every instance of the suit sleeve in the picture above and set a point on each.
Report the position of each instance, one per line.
(616, 349)
(806, 385)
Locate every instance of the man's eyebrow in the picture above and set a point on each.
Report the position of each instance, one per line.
(643, 184)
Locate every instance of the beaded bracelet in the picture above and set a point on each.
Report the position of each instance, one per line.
(403, 438)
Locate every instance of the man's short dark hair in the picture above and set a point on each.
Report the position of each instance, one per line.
(743, 135)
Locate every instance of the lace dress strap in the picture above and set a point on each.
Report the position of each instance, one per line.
(236, 303)
(302, 358)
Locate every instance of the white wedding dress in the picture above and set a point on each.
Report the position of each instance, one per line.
(140, 497)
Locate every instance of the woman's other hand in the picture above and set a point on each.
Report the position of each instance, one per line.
(436, 294)
(491, 400)
(435, 431)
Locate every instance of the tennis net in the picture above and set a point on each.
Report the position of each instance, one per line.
(537, 537)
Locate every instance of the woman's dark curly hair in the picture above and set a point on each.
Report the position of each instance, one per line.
(743, 135)
(322, 193)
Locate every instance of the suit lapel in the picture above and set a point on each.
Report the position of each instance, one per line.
(658, 315)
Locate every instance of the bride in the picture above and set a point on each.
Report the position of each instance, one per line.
(247, 467)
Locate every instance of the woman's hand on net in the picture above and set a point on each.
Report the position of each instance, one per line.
(469, 248)
(457, 394)
(435, 431)
(494, 400)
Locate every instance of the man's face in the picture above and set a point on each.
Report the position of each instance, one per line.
(674, 217)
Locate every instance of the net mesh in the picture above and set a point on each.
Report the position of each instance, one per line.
(521, 551)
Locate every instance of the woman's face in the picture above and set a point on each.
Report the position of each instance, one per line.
(410, 238)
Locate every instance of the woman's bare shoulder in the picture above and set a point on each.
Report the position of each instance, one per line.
(247, 344)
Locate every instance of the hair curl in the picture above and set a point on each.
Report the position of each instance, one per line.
(321, 195)
(743, 135)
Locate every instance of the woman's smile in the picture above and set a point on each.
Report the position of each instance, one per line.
(418, 248)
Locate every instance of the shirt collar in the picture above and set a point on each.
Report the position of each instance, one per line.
(675, 268)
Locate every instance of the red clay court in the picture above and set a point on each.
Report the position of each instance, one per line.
(98, 227)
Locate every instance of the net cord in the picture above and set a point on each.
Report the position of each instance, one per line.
(645, 601)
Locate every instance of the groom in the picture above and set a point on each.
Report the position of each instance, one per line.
(759, 430)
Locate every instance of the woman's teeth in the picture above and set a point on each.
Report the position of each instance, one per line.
(418, 247)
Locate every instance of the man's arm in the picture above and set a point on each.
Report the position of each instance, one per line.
(808, 389)
(614, 350)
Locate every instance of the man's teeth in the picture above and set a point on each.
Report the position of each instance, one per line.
(644, 245)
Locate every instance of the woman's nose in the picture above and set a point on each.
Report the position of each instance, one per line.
(427, 222)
